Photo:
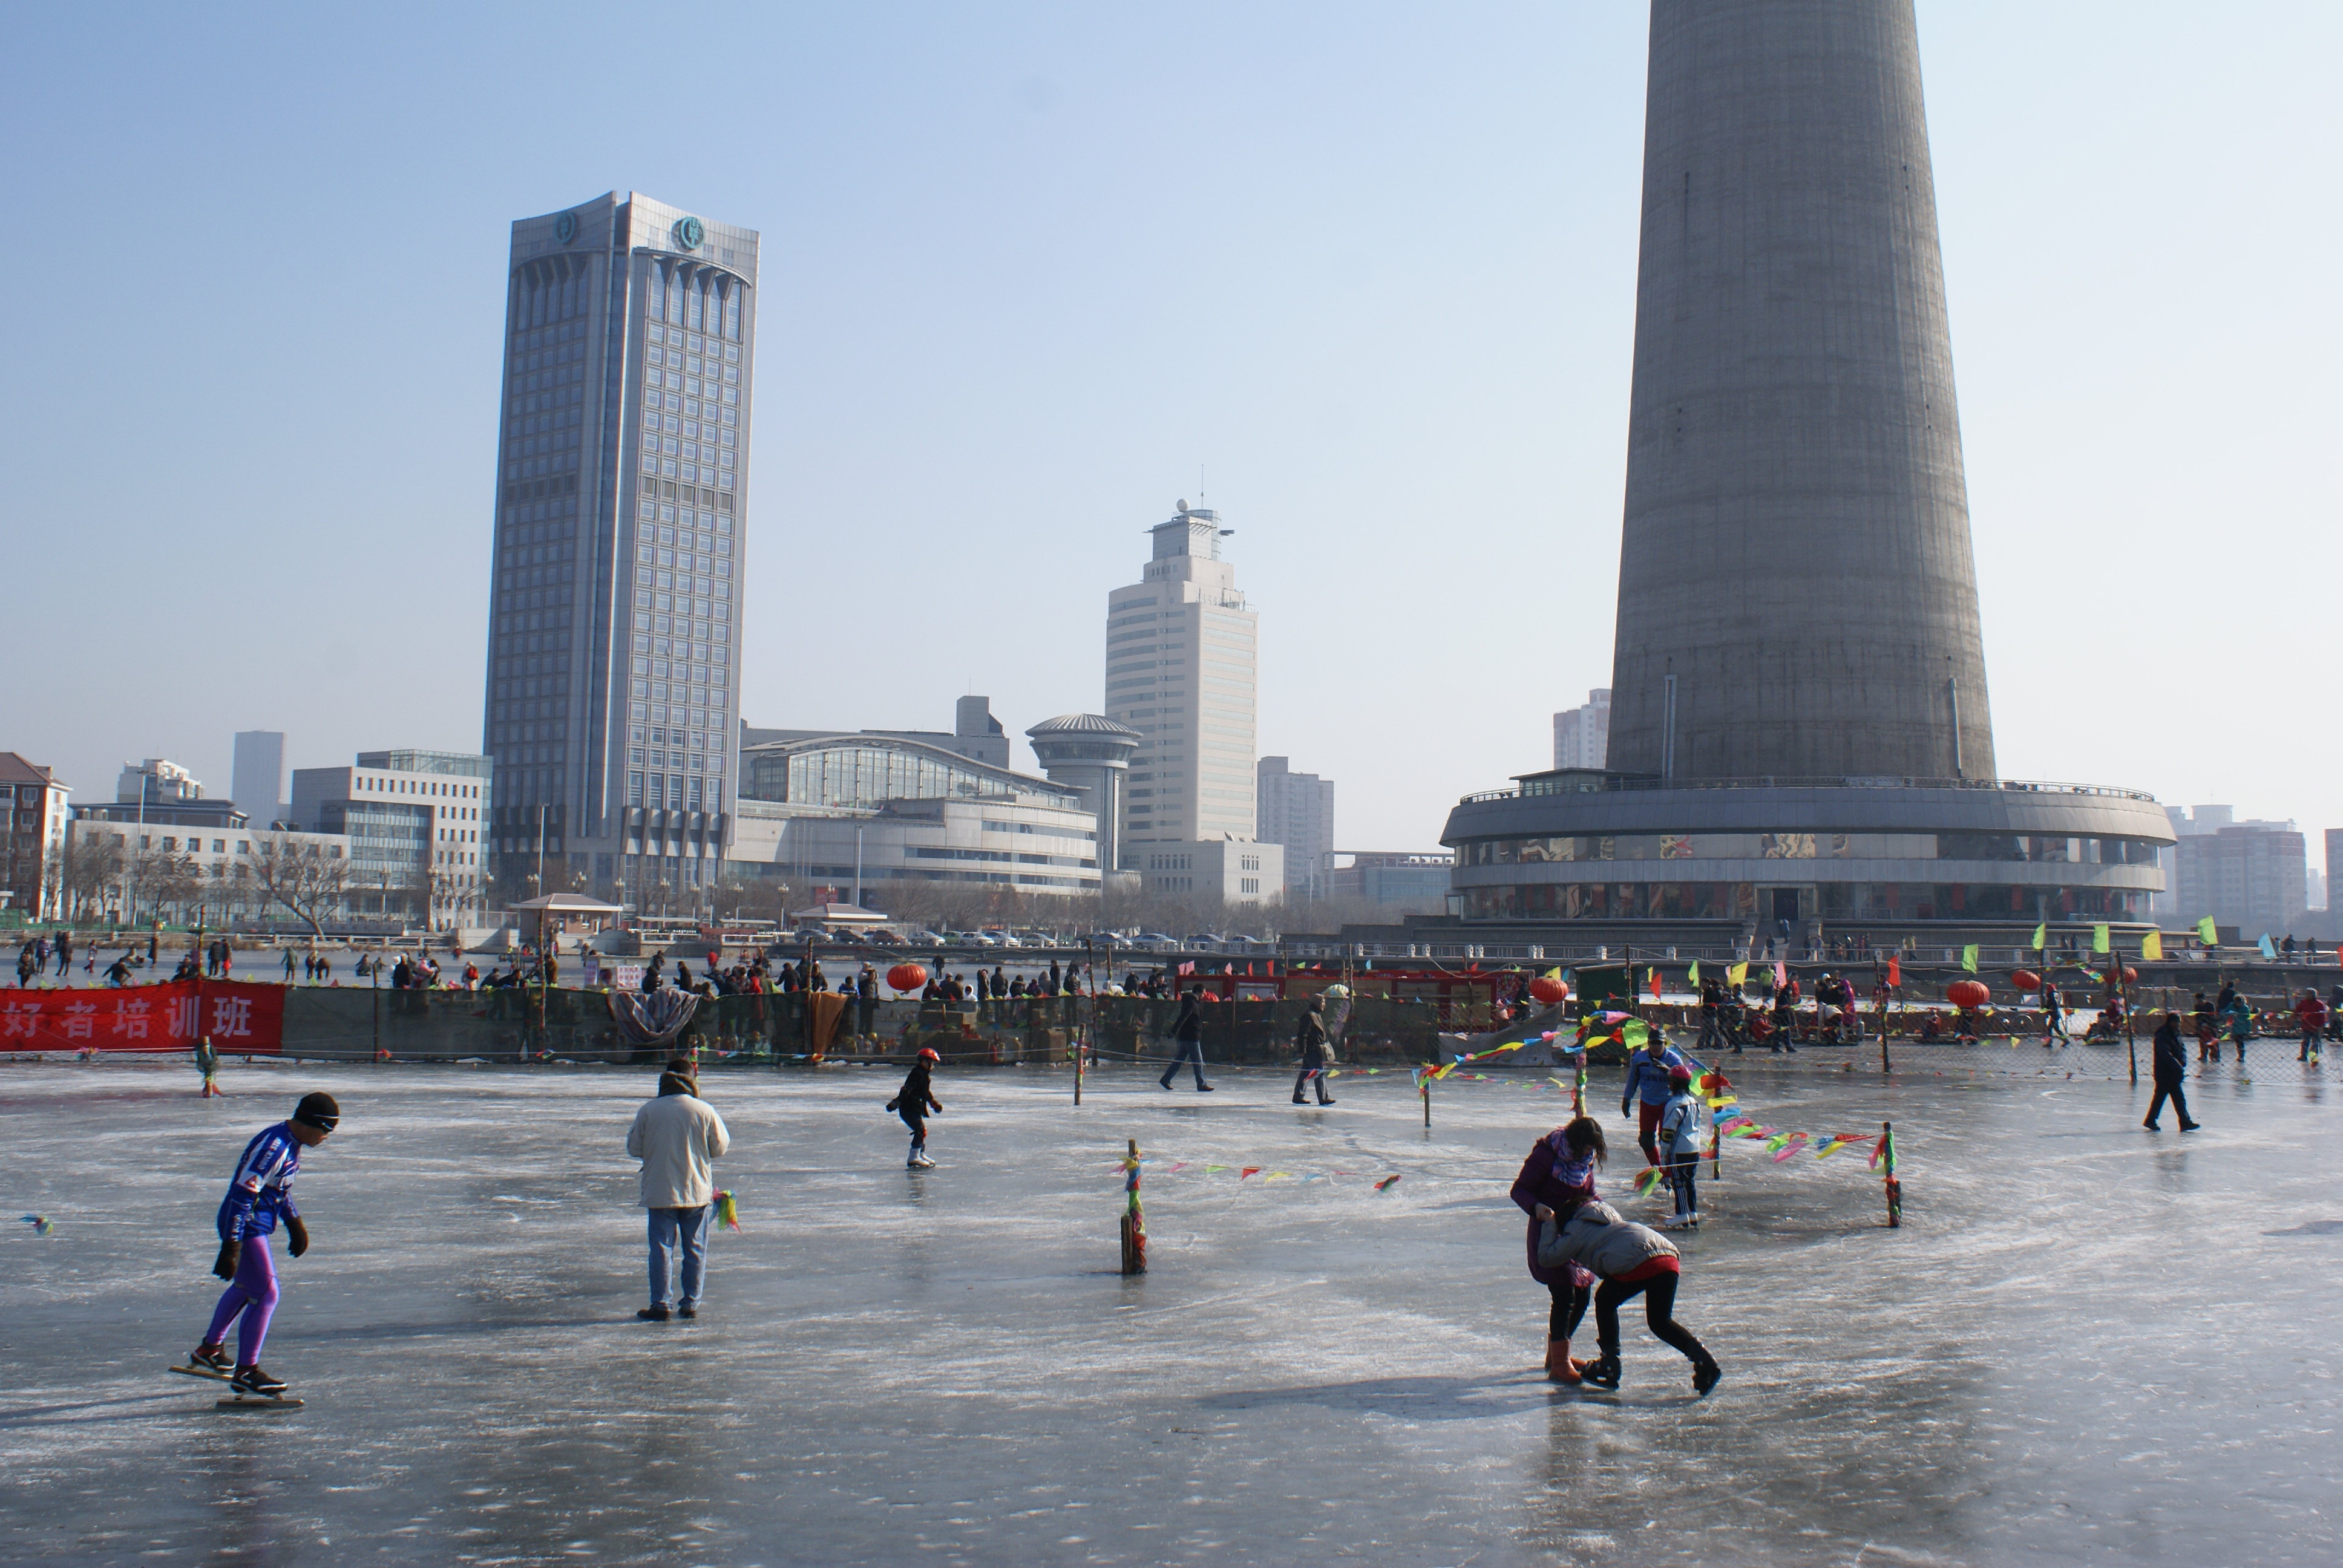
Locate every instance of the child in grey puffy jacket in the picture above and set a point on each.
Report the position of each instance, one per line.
(1630, 1260)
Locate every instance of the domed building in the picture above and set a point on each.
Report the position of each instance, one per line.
(1091, 753)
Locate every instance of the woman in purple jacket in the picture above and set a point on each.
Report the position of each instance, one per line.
(1561, 1166)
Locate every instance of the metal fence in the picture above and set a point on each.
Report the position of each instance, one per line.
(348, 1024)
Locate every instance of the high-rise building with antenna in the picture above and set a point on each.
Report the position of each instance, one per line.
(621, 537)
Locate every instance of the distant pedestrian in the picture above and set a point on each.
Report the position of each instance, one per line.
(678, 1136)
(2171, 1063)
(2054, 1014)
(2208, 1033)
(64, 954)
(1310, 1035)
(288, 965)
(2311, 1013)
(1187, 1028)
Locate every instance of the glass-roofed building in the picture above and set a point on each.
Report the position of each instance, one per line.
(851, 813)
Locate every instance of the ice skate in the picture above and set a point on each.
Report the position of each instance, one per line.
(1602, 1372)
(207, 1360)
(1706, 1376)
(256, 1383)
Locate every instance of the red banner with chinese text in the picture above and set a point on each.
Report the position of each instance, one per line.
(240, 1017)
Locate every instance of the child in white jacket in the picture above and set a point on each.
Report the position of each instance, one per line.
(1681, 1119)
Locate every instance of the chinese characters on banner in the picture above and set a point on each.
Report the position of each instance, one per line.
(238, 1016)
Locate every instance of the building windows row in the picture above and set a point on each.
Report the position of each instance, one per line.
(2031, 849)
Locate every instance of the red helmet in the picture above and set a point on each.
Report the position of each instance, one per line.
(927, 1054)
(1679, 1074)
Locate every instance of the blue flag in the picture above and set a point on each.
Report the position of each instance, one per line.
(2267, 950)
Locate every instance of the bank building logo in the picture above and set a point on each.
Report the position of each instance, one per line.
(688, 233)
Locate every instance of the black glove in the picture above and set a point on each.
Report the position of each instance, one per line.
(296, 1234)
(224, 1264)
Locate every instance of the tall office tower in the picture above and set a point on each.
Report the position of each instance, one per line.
(1797, 596)
(614, 631)
(1581, 736)
(257, 779)
(1181, 669)
(1297, 810)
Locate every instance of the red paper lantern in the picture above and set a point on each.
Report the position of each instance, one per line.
(1548, 991)
(1967, 993)
(2025, 979)
(907, 977)
(2131, 976)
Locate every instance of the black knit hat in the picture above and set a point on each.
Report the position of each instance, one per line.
(317, 1110)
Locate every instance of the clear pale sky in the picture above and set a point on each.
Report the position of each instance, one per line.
(1027, 268)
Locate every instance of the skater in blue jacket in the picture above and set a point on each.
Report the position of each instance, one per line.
(258, 1195)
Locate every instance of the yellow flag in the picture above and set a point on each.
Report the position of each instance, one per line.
(1553, 973)
(2151, 946)
(1737, 974)
(2099, 943)
(1692, 979)
(2041, 937)
(1969, 958)
(2206, 934)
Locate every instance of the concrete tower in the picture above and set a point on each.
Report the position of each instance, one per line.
(1797, 596)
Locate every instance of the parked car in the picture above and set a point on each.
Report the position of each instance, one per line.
(883, 938)
(1157, 939)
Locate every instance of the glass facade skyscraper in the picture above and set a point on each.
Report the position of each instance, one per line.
(614, 621)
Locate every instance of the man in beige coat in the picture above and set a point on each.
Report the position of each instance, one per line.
(677, 1136)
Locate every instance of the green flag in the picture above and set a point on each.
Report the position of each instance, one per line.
(2099, 943)
(1692, 979)
(2206, 934)
(1969, 958)
(2041, 937)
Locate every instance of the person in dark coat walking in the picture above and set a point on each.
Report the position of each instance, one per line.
(1311, 1036)
(2171, 1064)
(1189, 1031)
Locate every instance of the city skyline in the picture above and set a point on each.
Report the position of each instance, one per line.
(1016, 393)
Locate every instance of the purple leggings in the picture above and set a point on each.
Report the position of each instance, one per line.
(252, 1292)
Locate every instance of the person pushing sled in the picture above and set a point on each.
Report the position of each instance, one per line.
(1630, 1260)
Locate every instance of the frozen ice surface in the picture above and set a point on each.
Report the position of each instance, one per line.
(2087, 1344)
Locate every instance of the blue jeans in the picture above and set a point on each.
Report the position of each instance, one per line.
(669, 1228)
(1190, 1051)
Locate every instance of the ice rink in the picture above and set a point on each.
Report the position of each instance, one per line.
(2088, 1344)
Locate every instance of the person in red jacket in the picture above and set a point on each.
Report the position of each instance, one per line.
(2311, 1014)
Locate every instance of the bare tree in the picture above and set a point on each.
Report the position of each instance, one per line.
(94, 865)
(310, 879)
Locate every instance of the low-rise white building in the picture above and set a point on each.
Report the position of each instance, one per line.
(416, 821)
(1234, 871)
